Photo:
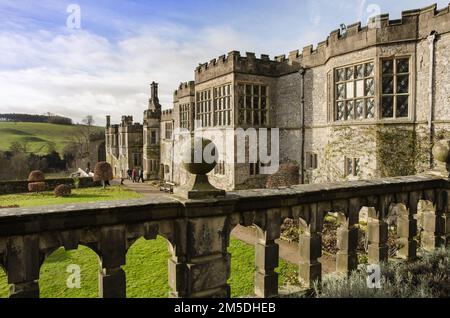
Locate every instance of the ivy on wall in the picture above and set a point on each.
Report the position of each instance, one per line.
(397, 151)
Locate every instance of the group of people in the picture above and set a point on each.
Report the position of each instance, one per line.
(135, 175)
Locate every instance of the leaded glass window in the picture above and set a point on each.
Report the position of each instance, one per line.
(351, 166)
(222, 105)
(252, 104)
(395, 87)
(355, 90)
(185, 116)
(204, 109)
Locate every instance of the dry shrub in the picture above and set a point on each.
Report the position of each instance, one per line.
(63, 190)
(36, 176)
(287, 175)
(103, 171)
(36, 187)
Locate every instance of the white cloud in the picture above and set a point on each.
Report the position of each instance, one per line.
(78, 73)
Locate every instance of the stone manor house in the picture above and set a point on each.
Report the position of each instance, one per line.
(367, 102)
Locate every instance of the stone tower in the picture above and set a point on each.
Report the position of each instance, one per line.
(152, 119)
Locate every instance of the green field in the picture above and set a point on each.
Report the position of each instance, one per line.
(36, 135)
(78, 195)
(146, 265)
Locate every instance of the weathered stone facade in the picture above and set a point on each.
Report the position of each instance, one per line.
(124, 144)
(344, 110)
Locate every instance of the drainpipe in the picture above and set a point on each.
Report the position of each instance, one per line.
(302, 112)
(431, 43)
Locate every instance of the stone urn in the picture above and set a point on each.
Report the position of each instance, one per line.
(198, 157)
(441, 155)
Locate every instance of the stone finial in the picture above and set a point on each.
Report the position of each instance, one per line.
(441, 154)
(199, 156)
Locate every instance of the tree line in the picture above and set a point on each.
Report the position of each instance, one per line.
(48, 118)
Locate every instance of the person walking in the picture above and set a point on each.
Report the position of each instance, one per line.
(129, 174)
(122, 176)
(141, 176)
(133, 175)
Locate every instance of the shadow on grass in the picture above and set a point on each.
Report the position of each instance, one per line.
(57, 256)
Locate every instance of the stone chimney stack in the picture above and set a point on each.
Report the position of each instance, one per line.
(154, 91)
(108, 121)
(154, 100)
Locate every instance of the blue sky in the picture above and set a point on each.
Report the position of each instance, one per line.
(106, 66)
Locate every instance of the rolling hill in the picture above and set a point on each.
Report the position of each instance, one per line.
(37, 135)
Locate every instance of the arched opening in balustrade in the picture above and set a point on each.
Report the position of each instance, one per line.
(146, 268)
(244, 260)
(395, 210)
(70, 274)
(362, 248)
(4, 286)
(242, 253)
(330, 248)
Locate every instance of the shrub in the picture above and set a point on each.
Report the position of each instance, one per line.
(76, 182)
(36, 187)
(36, 176)
(63, 190)
(103, 172)
(428, 277)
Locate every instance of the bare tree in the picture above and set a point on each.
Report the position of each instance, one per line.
(81, 138)
(88, 120)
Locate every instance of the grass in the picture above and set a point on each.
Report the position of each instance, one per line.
(146, 271)
(78, 196)
(37, 135)
(146, 263)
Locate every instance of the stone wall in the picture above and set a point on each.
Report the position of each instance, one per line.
(198, 233)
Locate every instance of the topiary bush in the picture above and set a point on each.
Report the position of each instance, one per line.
(36, 176)
(103, 172)
(63, 190)
(36, 187)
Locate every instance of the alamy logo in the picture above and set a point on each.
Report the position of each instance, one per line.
(74, 279)
(74, 19)
(373, 276)
(258, 146)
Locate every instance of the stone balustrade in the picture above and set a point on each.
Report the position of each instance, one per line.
(198, 232)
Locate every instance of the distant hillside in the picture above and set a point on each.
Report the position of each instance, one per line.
(30, 118)
(37, 135)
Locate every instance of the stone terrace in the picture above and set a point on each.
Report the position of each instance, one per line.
(198, 232)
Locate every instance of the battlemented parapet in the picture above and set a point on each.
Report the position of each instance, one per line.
(167, 115)
(184, 89)
(248, 64)
(414, 25)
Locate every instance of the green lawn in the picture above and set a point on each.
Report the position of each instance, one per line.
(37, 135)
(146, 266)
(78, 196)
(146, 271)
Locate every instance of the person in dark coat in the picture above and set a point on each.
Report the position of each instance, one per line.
(141, 176)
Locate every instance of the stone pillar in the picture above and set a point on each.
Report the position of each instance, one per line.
(436, 223)
(407, 226)
(378, 234)
(347, 239)
(22, 266)
(200, 266)
(112, 249)
(267, 255)
(310, 245)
